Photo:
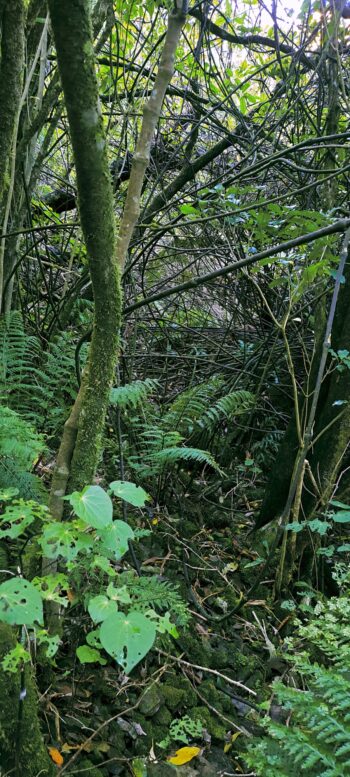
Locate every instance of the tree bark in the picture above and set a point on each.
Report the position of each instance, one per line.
(73, 39)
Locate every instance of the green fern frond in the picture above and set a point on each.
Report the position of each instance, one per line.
(150, 592)
(169, 456)
(317, 740)
(133, 394)
(20, 446)
(233, 404)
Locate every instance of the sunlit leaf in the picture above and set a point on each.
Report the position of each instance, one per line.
(184, 755)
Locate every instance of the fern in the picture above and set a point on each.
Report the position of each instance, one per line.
(20, 446)
(132, 394)
(170, 456)
(233, 404)
(18, 375)
(161, 595)
(317, 741)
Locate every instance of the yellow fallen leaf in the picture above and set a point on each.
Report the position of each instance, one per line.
(184, 755)
(233, 738)
(56, 756)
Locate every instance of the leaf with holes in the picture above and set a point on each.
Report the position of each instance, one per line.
(134, 495)
(92, 505)
(15, 520)
(100, 608)
(127, 638)
(20, 603)
(114, 540)
(62, 539)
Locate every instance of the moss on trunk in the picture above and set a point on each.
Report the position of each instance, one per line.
(22, 749)
(73, 38)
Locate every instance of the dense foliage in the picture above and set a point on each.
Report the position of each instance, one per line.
(174, 387)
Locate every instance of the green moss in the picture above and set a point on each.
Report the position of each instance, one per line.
(32, 755)
(89, 769)
(163, 717)
(179, 696)
(213, 725)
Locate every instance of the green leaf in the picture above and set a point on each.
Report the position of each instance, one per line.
(342, 517)
(101, 562)
(92, 505)
(63, 539)
(127, 638)
(16, 518)
(8, 493)
(20, 603)
(88, 655)
(344, 548)
(114, 540)
(100, 608)
(15, 659)
(134, 495)
(119, 594)
(335, 503)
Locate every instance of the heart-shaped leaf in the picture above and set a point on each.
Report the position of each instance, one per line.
(127, 638)
(114, 540)
(100, 608)
(92, 505)
(61, 539)
(131, 493)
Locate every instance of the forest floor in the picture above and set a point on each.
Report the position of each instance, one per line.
(198, 693)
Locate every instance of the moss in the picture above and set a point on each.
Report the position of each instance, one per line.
(163, 717)
(179, 696)
(213, 725)
(24, 740)
(89, 769)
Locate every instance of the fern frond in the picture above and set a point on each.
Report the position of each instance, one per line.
(169, 456)
(133, 394)
(233, 404)
(158, 594)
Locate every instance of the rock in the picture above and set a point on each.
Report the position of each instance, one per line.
(151, 702)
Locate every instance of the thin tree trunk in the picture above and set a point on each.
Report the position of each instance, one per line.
(74, 45)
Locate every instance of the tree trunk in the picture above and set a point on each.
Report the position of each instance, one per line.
(73, 39)
(22, 750)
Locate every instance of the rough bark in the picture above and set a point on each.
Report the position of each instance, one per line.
(73, 39)
(22, 750)
(11, 74)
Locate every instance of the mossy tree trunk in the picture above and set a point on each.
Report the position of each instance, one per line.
(73, 39)
(22, 750)
(12, 30)
(81, 443)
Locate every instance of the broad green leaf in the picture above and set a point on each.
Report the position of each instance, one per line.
(92, 505)
(131, 493)
(16, 518)
(62, 539)
(100, 608)
(101, 562)
(88, 655)
(342, 517)
(139, 768)
(50, 587)
(344, 548)
(8, 493)
(335, 503)
(320, 527)
(114, 540)
(20, 603)
(127, 638)
(119, 594)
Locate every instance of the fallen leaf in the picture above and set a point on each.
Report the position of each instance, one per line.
(184, 755)
(56, 756)
(233, 738)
